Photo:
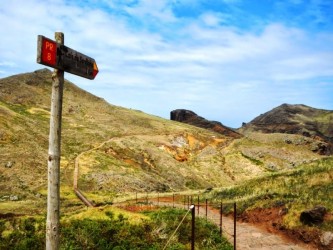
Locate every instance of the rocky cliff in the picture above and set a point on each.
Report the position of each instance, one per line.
(189, 117)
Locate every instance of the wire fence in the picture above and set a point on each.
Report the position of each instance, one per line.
(212, 211)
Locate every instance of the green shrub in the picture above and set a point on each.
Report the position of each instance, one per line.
(116, 232)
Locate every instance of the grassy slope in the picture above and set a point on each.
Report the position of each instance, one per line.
(141, 153)
(298, 189)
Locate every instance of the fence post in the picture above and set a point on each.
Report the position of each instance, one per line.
(221, 231)
(193, 227)
(206, 207)
(235, 217)
(173, 200)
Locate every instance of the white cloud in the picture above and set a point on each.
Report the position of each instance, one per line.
(173, 63)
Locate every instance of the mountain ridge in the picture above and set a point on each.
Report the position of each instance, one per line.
(141, 152)
(122, 152)
(296, 119)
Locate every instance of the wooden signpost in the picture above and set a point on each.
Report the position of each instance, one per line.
(58, 56)
(62, 58)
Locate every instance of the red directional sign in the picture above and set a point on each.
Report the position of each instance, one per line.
(49, 52)
(55, 55)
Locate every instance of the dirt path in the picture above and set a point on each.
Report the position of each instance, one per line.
(247, 236)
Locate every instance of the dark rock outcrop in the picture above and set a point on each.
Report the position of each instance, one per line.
(297, 119)
(189, 117)
(313, 216)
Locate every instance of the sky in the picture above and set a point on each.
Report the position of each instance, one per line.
(226, 60)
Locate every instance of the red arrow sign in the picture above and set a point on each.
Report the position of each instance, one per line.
(55, 55)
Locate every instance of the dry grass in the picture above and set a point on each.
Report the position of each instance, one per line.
(126, 150)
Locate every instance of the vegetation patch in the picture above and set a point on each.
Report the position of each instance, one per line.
(298, 189)
(110, 228)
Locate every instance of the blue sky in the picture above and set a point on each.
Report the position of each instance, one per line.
(226, 60)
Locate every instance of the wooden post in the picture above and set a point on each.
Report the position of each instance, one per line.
(173, 200)
(235, 217)
(206, 208)
(193, 227)
(53, 166)
(221, 219)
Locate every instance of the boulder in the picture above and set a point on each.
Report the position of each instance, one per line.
(326, 238)
(313, 216)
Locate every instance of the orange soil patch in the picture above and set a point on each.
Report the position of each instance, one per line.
(271, 220)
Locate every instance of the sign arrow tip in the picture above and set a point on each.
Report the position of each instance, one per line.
(95, 71)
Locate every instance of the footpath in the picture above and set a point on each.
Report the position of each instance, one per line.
(247, 236)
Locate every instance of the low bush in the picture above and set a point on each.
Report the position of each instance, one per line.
(114, 232)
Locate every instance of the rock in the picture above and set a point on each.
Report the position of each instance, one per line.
(326, 238)
(13, 198)
(321, 148)
(288, 141)
(9, 164)
(209, 189)
(189, 117)
(313, 216)
(283, 211)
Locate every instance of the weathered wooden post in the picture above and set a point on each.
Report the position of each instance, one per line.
(173, 200)
(56, 55)
(221, 219)
(193, 227)
(158, 199)
(53, 166)
(235, 231)
(206, 208)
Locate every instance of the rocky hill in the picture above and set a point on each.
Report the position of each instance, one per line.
(296, 119)
(189, 117)
(122, 150)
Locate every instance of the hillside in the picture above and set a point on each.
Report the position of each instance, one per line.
(296, 119)
(140, 152)
(123, 150)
